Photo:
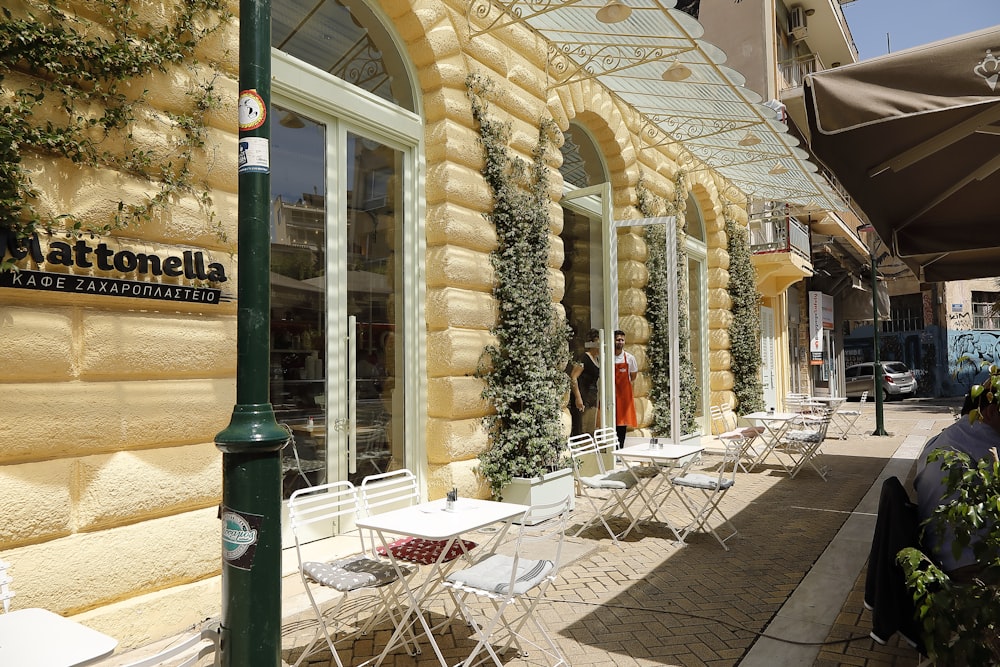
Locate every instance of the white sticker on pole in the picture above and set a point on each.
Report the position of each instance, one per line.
(254, 155)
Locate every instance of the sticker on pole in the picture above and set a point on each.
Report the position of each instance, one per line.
(254, 156)
(239, 537)
(253, 113)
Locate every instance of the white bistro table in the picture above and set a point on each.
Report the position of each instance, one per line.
(432, 521)
(41, 638)
(669, 459)
(775, 424)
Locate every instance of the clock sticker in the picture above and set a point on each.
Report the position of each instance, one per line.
(252, 110)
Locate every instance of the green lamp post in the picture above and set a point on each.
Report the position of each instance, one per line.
(876, 366)
(251, 444)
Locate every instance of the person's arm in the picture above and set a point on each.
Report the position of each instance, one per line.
(574, 383)
(633, 367)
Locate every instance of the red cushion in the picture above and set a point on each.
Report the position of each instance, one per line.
(424, 552)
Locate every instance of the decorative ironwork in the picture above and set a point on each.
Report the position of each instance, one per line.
(515, 11)
(701, 111)
(363, 66)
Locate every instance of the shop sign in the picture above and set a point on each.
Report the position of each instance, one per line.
(80, 254)
(820, 320)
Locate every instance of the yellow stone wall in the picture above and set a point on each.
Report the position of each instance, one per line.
(109, 479)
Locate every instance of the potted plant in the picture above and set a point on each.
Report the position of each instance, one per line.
(524, 370)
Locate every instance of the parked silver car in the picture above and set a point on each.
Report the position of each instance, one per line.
(897, 380)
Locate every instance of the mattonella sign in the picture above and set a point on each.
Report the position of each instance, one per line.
(83, 254)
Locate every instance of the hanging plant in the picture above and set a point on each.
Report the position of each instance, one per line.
(78, 82)
(524, 370)
(658, 309)
(744, 332)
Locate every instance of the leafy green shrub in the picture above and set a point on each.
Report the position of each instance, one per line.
(744, 332)
(525, 374)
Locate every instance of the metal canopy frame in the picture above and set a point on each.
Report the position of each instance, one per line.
(655, 62)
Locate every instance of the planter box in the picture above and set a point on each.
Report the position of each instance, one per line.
(548, 488)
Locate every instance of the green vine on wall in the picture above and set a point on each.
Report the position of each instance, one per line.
(76, 103)
(658, 309)
(744, 332)
(525, 374)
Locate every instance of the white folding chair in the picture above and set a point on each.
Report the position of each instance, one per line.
(802, 445)
(726, 428)
(6, 592)
(326, 504)
(515, 584)
(701, 492)
(188, 652)
(607, 491)
(846, 419)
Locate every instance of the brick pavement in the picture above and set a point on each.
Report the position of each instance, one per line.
(649, 602)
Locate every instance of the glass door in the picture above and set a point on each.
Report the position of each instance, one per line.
(591, 295)
(374, 398)
(336, 352)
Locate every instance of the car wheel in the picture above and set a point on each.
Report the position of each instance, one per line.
(885, 395)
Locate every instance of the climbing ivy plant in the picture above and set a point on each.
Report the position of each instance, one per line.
(744, 332)
(72, 89)
(657, 311)
(524, 370)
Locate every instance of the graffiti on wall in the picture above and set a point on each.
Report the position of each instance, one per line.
(959, 321)
(970, 353)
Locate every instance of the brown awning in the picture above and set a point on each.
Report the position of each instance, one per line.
(914, 137)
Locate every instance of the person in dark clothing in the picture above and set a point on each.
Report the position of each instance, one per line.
(585, 381)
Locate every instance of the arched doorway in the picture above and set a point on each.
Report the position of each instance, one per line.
(590, 295)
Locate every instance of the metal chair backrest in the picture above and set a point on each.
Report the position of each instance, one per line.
(719, 422)
(606, 438)
(326, 503)
(388, 491)
(582, 449)
(543, 523)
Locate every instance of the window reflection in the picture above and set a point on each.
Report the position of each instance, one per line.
(298, 295)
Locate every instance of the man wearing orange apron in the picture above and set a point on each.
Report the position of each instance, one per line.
(626, 369)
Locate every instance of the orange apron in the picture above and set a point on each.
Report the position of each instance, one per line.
(624, 405)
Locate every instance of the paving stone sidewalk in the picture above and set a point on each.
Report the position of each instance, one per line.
(648, 602)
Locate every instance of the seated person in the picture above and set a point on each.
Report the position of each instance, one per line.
(976, 437)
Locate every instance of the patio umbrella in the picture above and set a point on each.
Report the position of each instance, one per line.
(914, 137)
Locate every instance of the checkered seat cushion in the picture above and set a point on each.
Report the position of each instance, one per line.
(804, 436)
(349, 574)
(424, 552)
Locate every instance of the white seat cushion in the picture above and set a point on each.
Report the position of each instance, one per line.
(493, 574)
(619, 479)
(699, 480)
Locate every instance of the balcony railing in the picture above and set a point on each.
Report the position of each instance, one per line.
(779, 234)
(793, 72)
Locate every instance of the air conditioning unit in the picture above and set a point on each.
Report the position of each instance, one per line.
(797, 22)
